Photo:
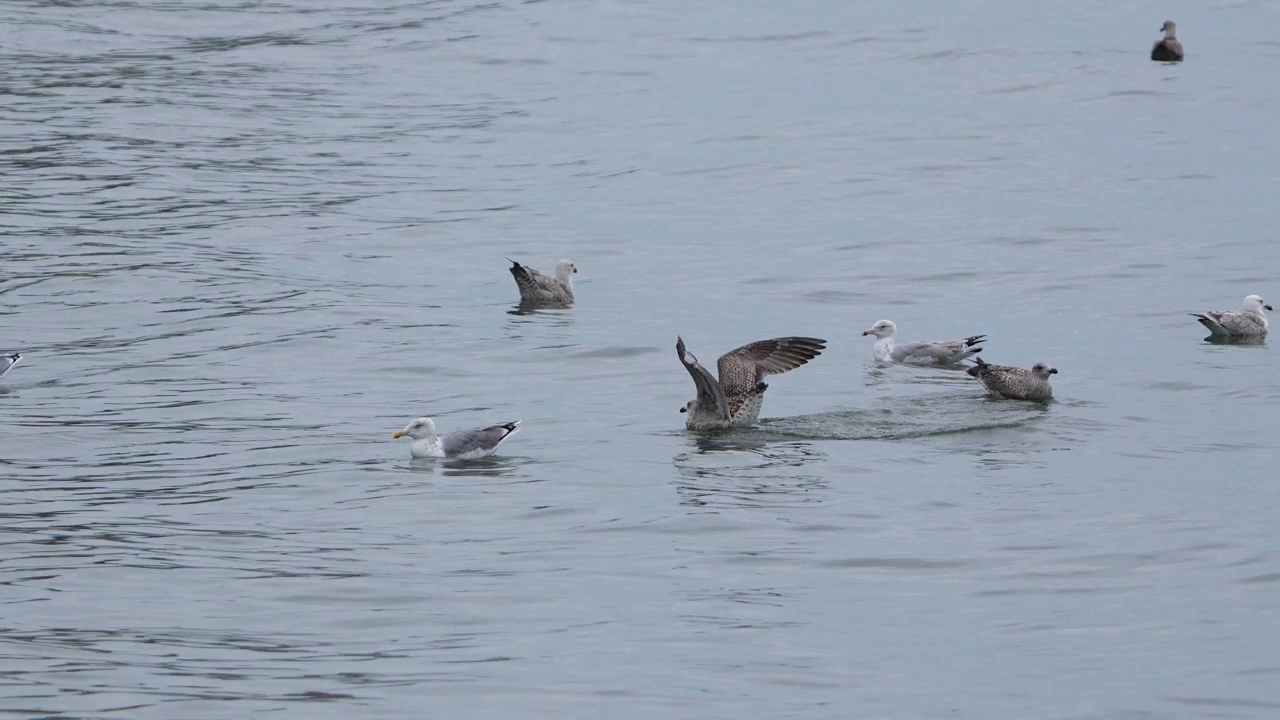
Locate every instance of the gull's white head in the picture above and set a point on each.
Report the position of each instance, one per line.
(565, 270)
(1254, 303)
(882, 329)
(1169, 28)
(418, 429)
(1043, 370)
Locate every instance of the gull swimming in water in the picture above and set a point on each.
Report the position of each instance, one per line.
(1168, 49)
(735, 399)
(538, 289)
(1249, 321)
(458, 445)
(8, 361)
(922, 352)
(1015, 383)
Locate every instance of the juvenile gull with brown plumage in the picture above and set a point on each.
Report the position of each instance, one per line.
(538, 289)
(1249, 321)
(1015, 383)
(458, 445)
(920, 352)
(1168, 49)
(735, 399)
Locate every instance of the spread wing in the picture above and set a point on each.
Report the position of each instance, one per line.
(710, 396)
(477, 442)
(742, 368)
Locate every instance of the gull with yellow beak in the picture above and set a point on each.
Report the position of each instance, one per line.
(457, 445)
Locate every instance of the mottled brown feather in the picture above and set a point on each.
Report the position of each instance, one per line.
(736, 397)
(742, 368)
(1011, 382)
(710, 395)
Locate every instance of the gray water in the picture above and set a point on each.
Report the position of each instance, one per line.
(245, 243)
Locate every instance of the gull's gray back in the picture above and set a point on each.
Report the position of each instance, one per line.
(538, 288)
(936, 352)
(1240, 323)
(476, 440)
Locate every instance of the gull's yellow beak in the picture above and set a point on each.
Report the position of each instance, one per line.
(399, 434)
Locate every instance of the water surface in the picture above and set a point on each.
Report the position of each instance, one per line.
(243, 245)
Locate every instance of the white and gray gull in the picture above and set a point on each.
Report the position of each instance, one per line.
(458, 445)
(920, 352)
(1015, 383)
(1249, 321)
(538, 289)
(735, 399)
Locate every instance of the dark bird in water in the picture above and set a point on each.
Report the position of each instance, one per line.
(1168, 49)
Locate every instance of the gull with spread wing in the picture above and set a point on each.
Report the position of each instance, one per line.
(735, 399)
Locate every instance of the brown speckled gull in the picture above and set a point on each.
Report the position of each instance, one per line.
(1015, 383)
(735, 399)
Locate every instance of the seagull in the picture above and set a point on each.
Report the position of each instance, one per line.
(538, 289)
(459, 445)
(1246, 322)
(1015, 383)
(734, 400)
(1168, 49)
(8, 361)
(935, 352)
